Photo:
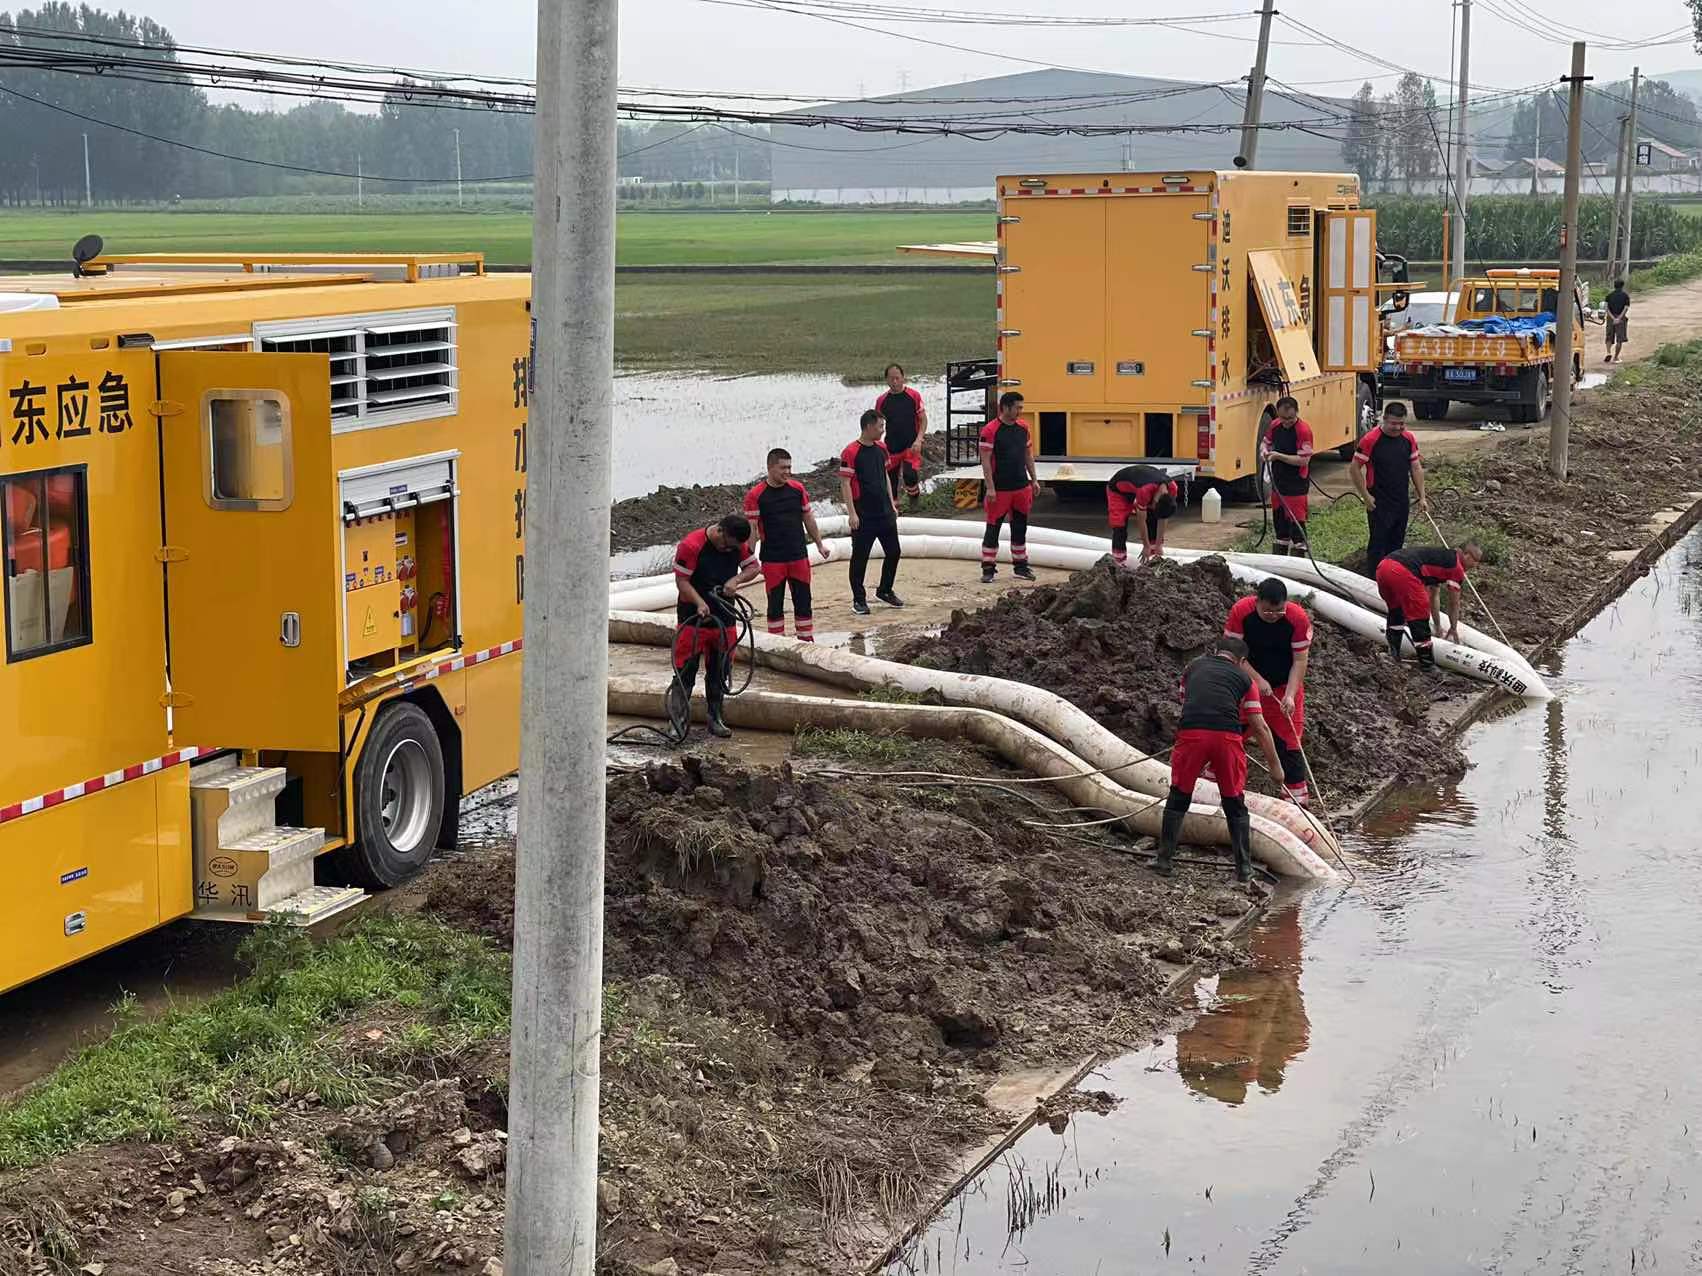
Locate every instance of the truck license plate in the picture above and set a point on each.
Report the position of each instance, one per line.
(1460, 374)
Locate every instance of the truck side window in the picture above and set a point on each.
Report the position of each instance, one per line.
(247, 450)
(1483, 301)
(44, 526)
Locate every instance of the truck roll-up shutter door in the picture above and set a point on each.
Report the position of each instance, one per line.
(1285, 320)
(379, 489)
(1348, 327)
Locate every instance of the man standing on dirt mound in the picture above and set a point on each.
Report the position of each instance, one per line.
(704, 564)
(1288, 449)
(779, 512)
(1219, 700)
(1381, 463)
(1410, 581)
(1278, 634)
(906, 422)
(1007, 466)
(1148, 493)
(873, 514)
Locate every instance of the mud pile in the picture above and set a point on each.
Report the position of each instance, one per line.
(669, 513)
(1115, 642)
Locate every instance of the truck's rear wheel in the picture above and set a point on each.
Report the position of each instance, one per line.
(1364, 414)
(399, 796)
(1430, 409)
(1534, 403)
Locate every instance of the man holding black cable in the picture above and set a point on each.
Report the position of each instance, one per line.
(710, 563)
(1288, 451)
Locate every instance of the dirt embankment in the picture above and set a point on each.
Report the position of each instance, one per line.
(811, 983)
(1115, 643)
(669, 513)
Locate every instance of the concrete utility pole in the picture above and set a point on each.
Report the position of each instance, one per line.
(1630, 173)
(88, 182)
(1536, 149)
(457, 168)
(1620, 164)
(1253, 116)
(551, 1226)
(1462, 150)
(360, 185)
(1560, 422)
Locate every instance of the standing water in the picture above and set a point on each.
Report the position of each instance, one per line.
(1480, 1059)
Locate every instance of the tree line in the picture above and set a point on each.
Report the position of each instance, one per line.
(315, 147)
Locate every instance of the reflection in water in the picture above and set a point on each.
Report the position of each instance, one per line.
(1257, 1025)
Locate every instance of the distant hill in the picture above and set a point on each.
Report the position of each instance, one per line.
(1689, 82)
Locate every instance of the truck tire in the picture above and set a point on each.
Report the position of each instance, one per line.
(1430, 409)
(399, 795)
(1364, 406)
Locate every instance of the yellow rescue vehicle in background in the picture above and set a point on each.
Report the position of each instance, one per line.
(262, 521)
(1156, 316)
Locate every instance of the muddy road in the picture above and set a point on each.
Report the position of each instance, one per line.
(1478, 1060)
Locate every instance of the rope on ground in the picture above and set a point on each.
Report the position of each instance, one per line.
(1318, 792)
(1502, 633)
(1310, 819)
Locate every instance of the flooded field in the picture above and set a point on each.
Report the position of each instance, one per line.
(1480, 1059)
(701, 428)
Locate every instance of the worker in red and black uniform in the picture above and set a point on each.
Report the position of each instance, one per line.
(779, 512)
(1411, 581)
(1219, 701)
(1288, 450)
(710, 563)
(1278, 634)
(873, 513)
(1148, 493)
(1382, 462)
(906, 422)
(1007, 466)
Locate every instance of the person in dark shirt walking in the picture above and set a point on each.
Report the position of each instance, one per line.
(1149, 494)
(1618, 319)
(1382, 462)
(1007, 466)
(779, 511)
(709, 563)
(1219, 700)
(906, 422)
(874, 516)
(1288, 449)
(1278, 634)
(1410, 581)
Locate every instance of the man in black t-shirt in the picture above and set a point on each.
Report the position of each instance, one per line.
(779, 511)
(1618, 319)
(1007, 468)
(874, 516)
(710, 563)
(1382, 462)
(1220, 697)
(906, 422)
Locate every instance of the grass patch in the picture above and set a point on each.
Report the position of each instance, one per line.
(877, 747)
(227, 1057)
(846, 326)
(503, 235)
(892, 693)
(1678, 268)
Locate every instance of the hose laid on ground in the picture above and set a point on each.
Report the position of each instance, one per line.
(1021, 746)
(1046, 712)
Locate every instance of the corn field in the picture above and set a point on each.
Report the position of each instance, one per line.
(1527, 228)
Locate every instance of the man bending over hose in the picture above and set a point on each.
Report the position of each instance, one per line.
(1278, 634)
(1410, 581)
(1219, 699)
(710, 563)
(1148, 493)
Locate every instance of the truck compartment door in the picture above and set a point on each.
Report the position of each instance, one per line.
(1348, 328)
(252, 574)
(1284, 319)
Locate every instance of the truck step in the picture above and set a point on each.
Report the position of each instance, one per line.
(236, 801)
(255, 873)
(305, 908)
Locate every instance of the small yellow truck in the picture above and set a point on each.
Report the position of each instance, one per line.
(1495, 348)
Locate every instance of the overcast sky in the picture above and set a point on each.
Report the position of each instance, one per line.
(700, 44)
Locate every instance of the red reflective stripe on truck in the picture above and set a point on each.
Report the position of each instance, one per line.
(58, 797)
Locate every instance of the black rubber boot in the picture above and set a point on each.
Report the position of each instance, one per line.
(714, 689)
(1170, 832)
(678, 699)
(1393, 638)
(1427, 660)
(1240, 840)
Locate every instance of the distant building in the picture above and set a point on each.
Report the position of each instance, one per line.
(1662, 158)
(1522, 168)
(836, 165)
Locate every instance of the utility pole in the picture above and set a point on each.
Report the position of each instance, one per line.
(1536, 148)
(1560, 422)
(1630, 173)
(1620, 164)
(457, 168)
(556, 1035)
(88, 182)
(360, 185)
(1254, 112)
(735, 170)
(1462, 150)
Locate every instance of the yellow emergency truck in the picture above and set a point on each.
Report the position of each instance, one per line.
(1156, 316)
(262, 519)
